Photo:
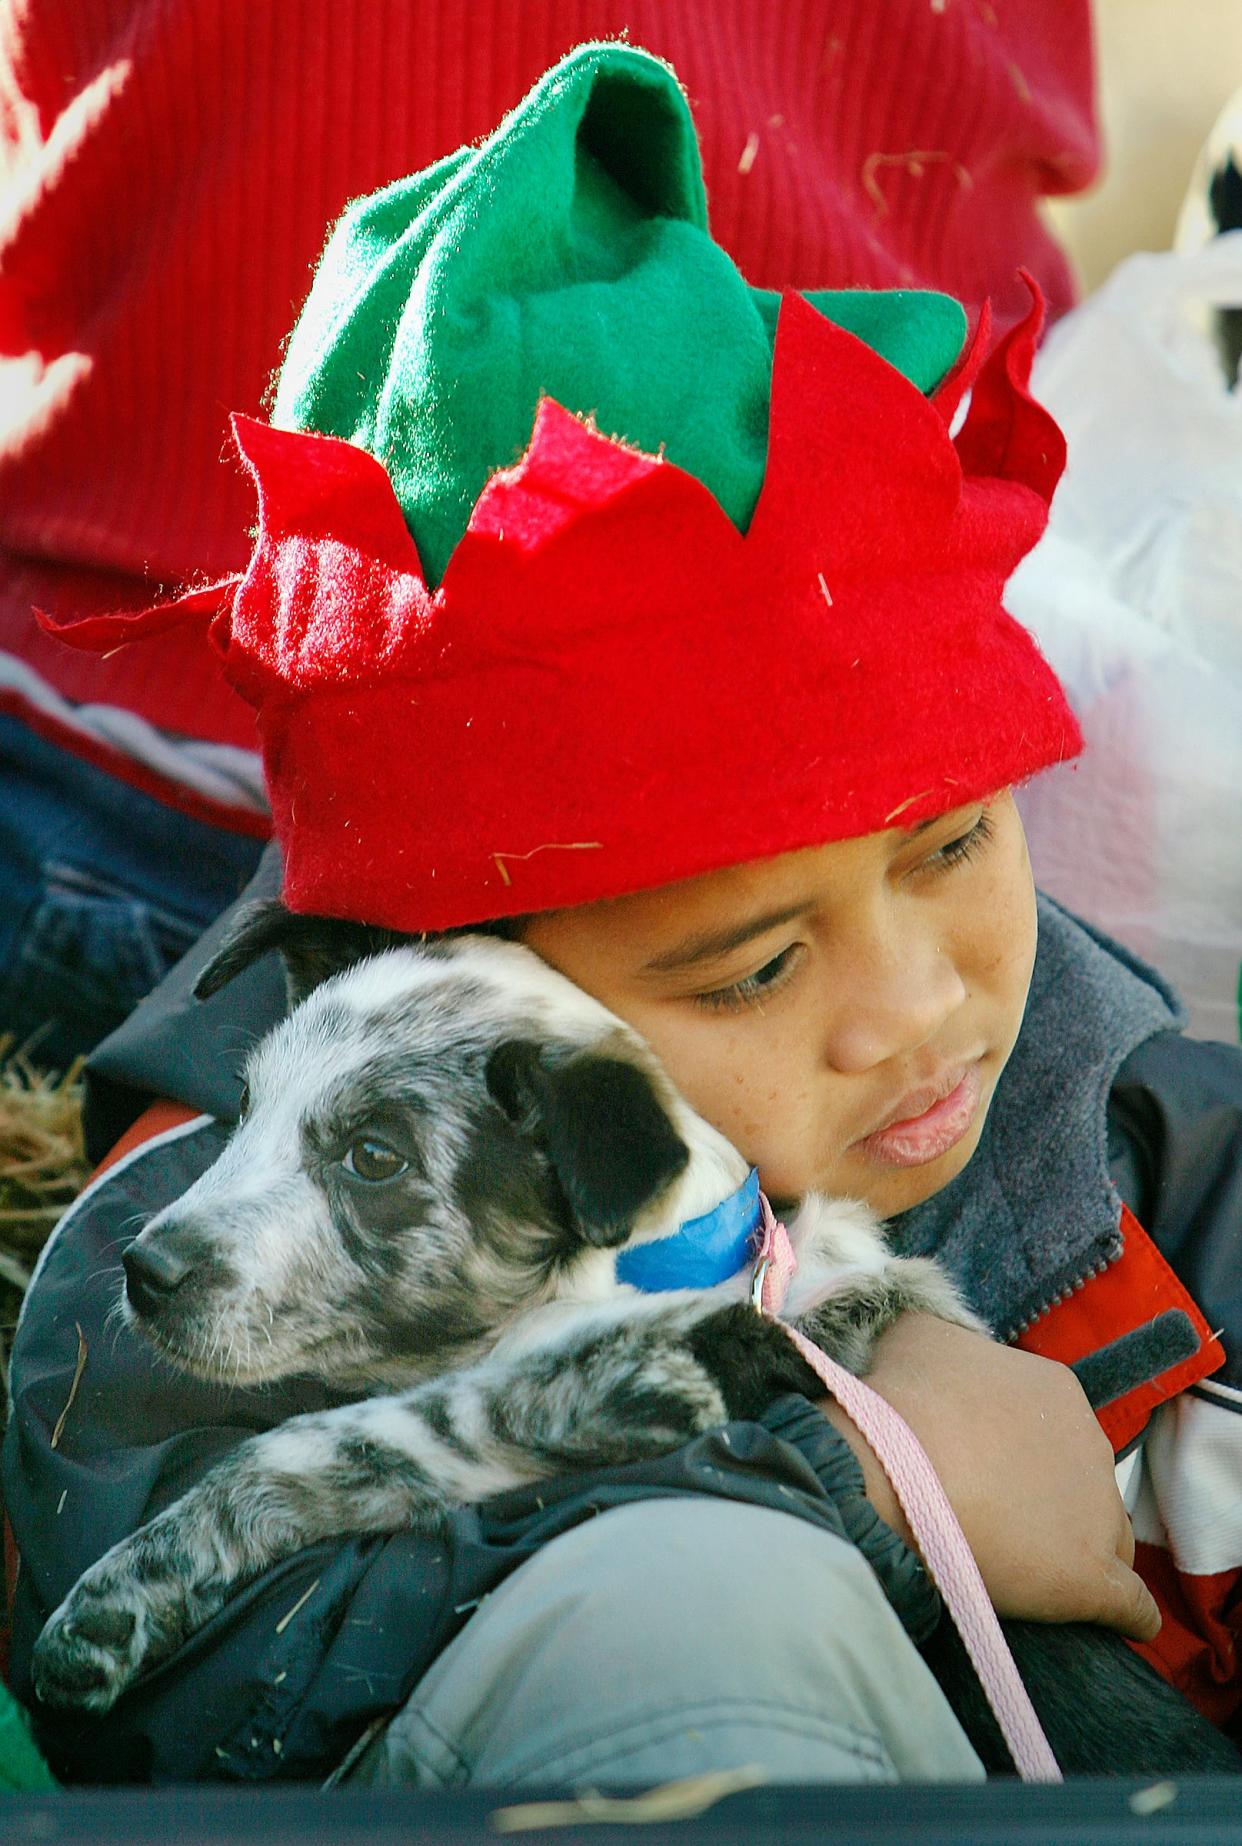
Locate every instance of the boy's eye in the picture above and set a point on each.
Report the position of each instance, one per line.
(755, 988)
(967, 844)
(373, 1161)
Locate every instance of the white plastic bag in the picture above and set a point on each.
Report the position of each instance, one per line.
(1135, 595)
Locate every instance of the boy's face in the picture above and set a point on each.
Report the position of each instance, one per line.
(842, 1014)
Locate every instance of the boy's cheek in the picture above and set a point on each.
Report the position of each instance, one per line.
(759, 1102)
(752, 1101)
(999, 929)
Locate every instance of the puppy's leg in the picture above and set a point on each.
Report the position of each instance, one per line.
(617, 1387)
(849, 1287)
(847, 1324)
(622, 1387)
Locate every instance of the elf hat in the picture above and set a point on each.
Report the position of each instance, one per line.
(583, 567)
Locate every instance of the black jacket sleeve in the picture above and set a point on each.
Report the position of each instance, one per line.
(294, 1669)
(1175, 1148)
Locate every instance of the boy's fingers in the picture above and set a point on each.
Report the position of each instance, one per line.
(1125, 1547)
(1132, 1609)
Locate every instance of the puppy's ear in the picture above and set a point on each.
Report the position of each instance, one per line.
(602, 1125)
(312, 947)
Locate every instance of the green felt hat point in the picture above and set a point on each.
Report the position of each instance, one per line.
(566, 255)
(919, 332)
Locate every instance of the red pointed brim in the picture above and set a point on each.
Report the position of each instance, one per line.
(613, 688)
(635, 774)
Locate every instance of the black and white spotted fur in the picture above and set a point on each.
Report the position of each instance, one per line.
(442, 1150)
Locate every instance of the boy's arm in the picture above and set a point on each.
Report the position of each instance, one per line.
(1027, 1469)
(1015, 1442)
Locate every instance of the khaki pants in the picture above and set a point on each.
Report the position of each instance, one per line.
(670, 1638)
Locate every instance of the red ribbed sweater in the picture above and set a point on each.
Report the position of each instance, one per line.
(168, 169)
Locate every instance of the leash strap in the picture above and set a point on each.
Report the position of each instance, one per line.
(939, 1537)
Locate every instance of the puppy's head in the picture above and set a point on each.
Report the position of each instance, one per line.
(435, 1139)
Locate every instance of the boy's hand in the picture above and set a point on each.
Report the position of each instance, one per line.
(1026, 1467)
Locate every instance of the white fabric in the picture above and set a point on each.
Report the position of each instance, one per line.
(1188, 1500)
(1135, 595)
(221, 772)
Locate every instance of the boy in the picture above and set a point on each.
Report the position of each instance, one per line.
(721, 716)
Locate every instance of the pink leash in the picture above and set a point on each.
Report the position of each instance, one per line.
(933, 1522)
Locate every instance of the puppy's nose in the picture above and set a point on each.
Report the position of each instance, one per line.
(153, 1273)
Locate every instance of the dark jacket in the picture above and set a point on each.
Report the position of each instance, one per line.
(291, 1673)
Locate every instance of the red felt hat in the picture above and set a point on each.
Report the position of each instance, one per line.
(612, 687)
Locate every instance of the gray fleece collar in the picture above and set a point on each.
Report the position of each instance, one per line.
(1035, 1211)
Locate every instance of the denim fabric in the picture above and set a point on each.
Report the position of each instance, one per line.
(102, 889)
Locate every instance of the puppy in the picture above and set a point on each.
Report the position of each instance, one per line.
(442, 1151)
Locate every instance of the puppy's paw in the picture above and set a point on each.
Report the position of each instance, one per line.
(93, 1646)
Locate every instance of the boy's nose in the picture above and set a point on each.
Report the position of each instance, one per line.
(896, 1005)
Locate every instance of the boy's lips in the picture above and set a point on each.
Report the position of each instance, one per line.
(928, 1121)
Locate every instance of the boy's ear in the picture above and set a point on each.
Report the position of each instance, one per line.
(605, 1131)
(312, 947)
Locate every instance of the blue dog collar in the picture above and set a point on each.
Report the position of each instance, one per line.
(703, 1251)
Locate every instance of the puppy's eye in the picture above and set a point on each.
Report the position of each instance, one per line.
(373, 1160)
